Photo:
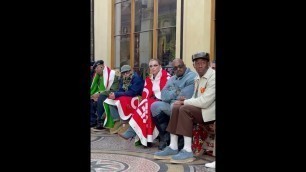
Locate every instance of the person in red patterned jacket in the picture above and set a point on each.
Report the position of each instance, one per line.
(141, 123)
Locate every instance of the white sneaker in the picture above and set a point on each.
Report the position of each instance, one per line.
(211, 165)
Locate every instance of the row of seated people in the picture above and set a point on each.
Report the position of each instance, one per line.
(161, 106)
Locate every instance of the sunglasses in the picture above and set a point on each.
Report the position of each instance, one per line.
(153, 65)
(123, 73)
(179, 66)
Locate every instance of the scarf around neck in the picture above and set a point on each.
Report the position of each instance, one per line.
(127, 82)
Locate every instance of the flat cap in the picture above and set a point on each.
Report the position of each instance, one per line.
(125, 68)
(200, 55)
(99, 62)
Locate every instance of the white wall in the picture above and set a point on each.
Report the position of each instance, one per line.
(103, 24)
(197, 21)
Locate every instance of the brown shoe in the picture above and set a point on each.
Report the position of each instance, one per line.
(128, 133)
(124, 127)
(116, 128)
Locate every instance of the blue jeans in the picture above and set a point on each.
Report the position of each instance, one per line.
(97, 110)
(93, 116)
(114, 112)
(159, 106)
(100, 107)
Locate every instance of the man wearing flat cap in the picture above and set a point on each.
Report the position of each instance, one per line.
(103, 83)
(121, 103)
(200, 108)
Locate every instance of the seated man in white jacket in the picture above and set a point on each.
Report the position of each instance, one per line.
(198, 109)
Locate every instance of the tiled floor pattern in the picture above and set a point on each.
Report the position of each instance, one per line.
(111, 153)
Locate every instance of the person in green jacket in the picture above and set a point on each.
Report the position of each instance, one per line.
(104, 82)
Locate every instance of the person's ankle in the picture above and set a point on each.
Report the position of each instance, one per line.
(173, 147)
(187, 149)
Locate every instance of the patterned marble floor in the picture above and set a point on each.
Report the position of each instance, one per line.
(111, 153)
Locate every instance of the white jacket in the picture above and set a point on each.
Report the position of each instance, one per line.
(206, 95)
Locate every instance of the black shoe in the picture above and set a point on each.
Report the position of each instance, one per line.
(99, 127)
(149, 145)
(92, 125)
(162, 145)
(164, 141)
(161, 123)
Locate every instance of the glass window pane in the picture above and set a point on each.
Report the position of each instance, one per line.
(122, 28)
(123, 18)
(122, 50)
(166, 45)
(143, 15)
(167, 33)
(143, 51)
(166, 13)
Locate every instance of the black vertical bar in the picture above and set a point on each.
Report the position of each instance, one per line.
(92, 11)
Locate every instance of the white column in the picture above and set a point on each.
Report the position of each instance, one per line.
(117, 31)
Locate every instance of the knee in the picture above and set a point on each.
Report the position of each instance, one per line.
(155, 109)
(174, 106)
(183, 107)
(102, 98)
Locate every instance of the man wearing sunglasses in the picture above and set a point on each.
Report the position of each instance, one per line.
(181, 85)
(185, 112)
